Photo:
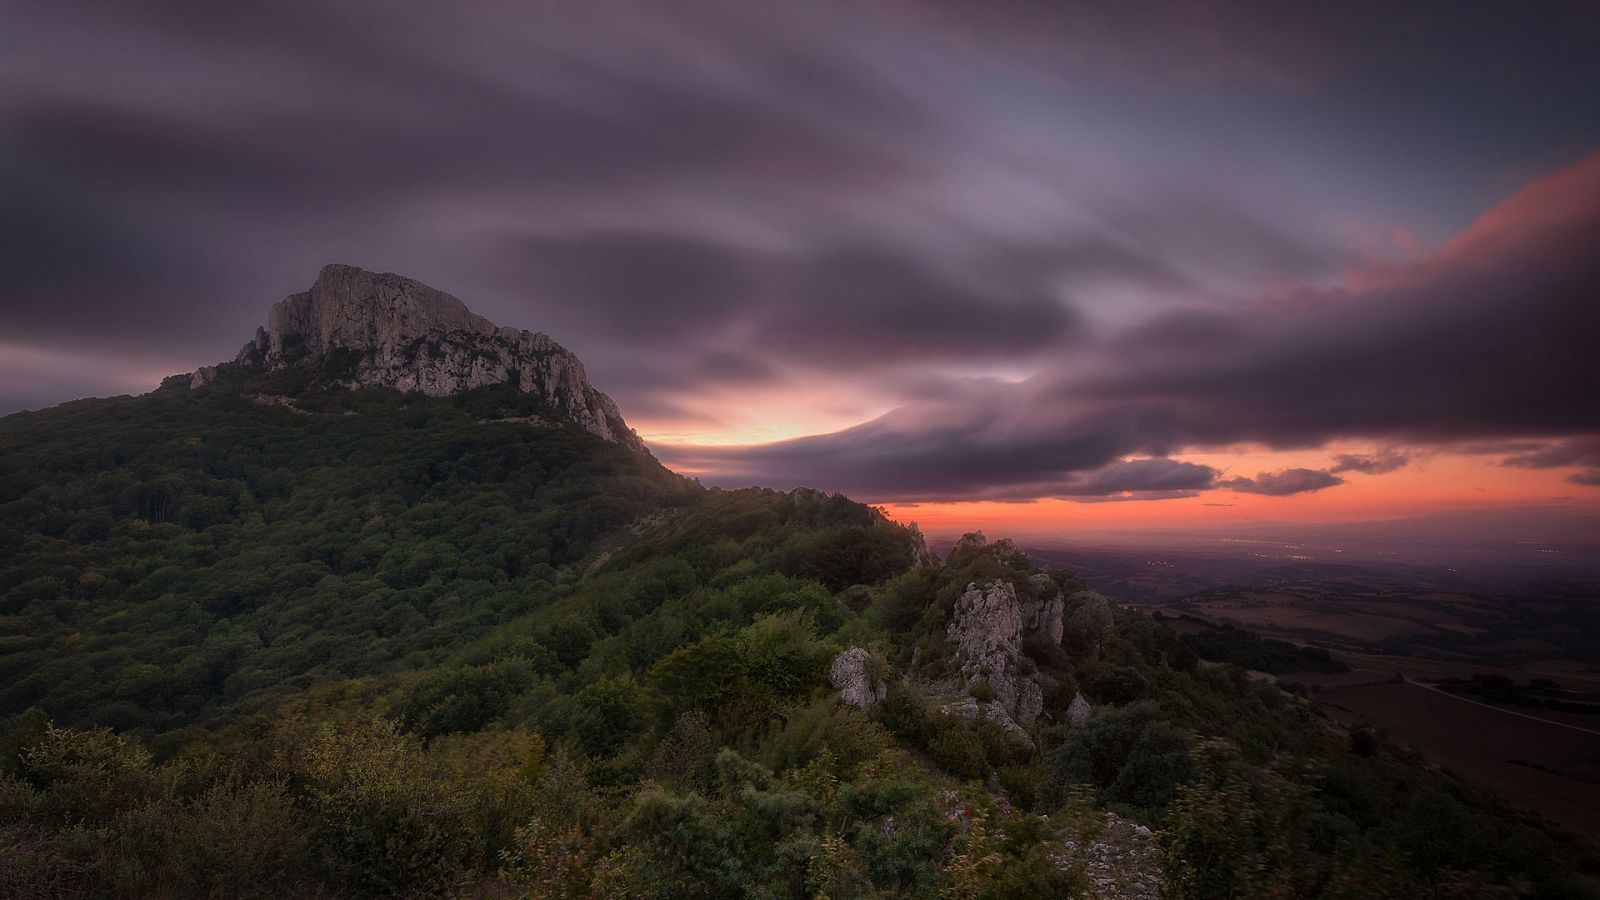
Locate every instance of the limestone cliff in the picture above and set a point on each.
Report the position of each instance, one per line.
(987, 631)
(367, 329)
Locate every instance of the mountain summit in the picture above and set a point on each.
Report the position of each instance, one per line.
(356, 328)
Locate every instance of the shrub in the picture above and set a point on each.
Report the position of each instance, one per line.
(958, 750)
(1118, 685)
(385, 825)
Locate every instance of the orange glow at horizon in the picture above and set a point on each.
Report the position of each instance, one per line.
(740, 418)
(1432, 482)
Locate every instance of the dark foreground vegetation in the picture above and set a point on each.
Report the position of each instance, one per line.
(1235, 646)
(389, 646)
(1538, 693)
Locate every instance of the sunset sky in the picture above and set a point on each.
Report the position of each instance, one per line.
(1024, 266)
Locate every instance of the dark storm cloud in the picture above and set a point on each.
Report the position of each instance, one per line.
(1145, 475)
(678, 196)
(154, 152)
(866, 305)
(907, 201)
(1155, 478)
(1583, 453)
(1575, 452)
(1282, 483)
(1488, 339)
(1377, 464)
(863, 305)
(649, 285)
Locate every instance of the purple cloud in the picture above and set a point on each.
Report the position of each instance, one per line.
(1398, 359)
(1379, 464)
(1062, 242)
(1582, 452)
(1283, 482)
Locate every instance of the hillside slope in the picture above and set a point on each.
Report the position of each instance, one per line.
(354, 328)
(273, 636)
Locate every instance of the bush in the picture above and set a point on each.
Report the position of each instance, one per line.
(1119, 685)
(237, 839)
(385, 826)
(958, 750)
(1131, 755)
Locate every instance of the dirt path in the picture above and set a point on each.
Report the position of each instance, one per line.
(1518, 756)
(1501, 709)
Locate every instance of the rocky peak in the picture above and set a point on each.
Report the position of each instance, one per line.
(357, 328)
(974, 544)
(353, 309)
(987, 630)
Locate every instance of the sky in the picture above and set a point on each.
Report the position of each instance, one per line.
(1027, 266)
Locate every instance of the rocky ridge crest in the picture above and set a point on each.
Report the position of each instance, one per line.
(988, 629)
(367, 329)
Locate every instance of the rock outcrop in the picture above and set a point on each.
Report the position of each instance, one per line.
(1045, 613)
(1004, 550)
(366, 329)
(920, 554)
(988, 629)
(851, 673)
(1078, 710)
(1121, 860)
(991, 676)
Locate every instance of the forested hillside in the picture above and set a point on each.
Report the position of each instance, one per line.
(272, 639)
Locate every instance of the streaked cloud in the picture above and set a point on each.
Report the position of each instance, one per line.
(966, 251)
(1282, 483)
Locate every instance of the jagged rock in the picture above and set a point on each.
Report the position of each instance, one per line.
(851, 673)
(970, 708)
(987, 630)
(987, 620)
(1004, 550)
(920, 554)
(1078, 710)
(1094, 617)
(1120, 859)
(971, 541)
(1045, 615)
(369, 329)
(202, 376)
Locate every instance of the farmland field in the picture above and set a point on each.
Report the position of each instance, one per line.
(1531, 760)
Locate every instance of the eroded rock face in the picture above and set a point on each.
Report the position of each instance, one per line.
(1045, 613)
(969, 708)
(988, 629)
(1003, 550)
(988, 620)
(851, 673)
(920, 554)
(370, 329)
(970, 542)
(1078, 710)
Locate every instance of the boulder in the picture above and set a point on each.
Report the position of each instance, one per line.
(1078, 710)
(851, 673)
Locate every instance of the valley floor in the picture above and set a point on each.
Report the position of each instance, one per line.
(1530, 760)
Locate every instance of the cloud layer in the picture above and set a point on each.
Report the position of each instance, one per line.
(1490, 337)
(1020, 249)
